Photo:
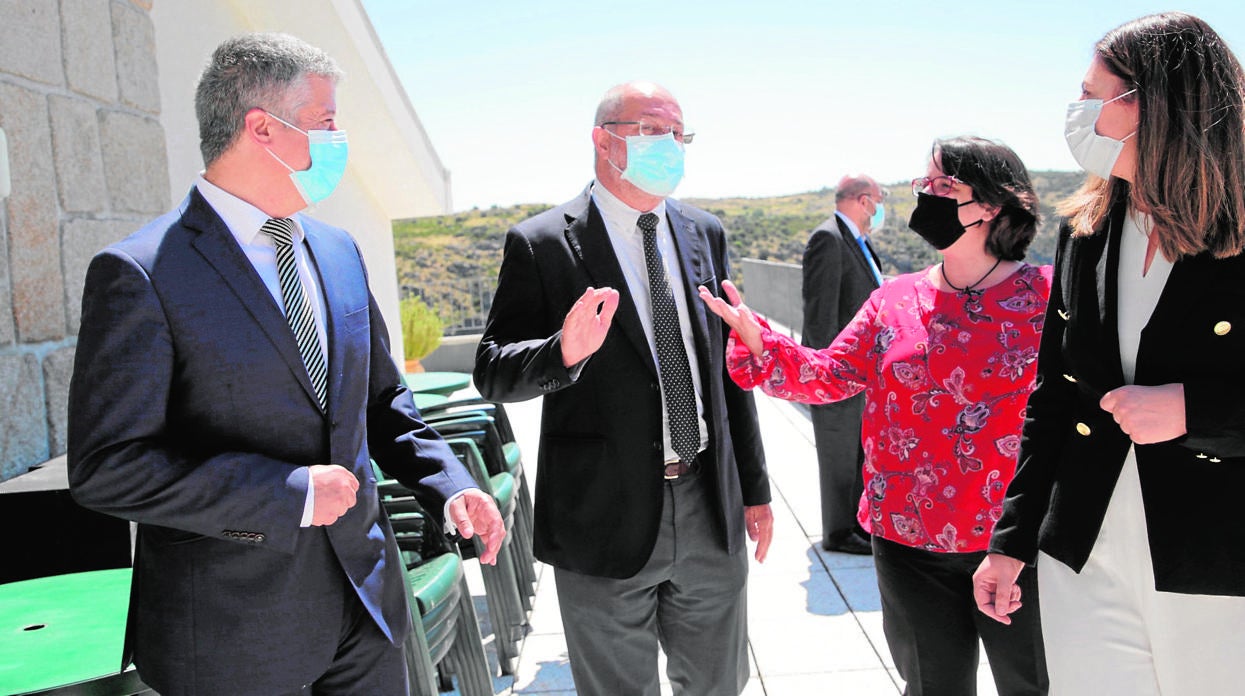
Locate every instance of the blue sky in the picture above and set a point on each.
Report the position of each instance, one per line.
(785, 95)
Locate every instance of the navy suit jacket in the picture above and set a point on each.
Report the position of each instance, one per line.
(190, 412)
(599, 475)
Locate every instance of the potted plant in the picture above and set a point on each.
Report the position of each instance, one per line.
(421, 332)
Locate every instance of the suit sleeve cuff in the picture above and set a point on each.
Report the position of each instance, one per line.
(451, 528)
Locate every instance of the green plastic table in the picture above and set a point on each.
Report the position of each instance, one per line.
(66, 631)
(443, 383)
(424, 400)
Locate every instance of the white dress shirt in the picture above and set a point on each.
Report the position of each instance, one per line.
(628, 242)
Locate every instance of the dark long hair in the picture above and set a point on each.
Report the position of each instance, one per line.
(1190, 142)
(998, 179)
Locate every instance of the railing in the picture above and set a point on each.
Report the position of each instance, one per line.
(774, 290)
(462, 305)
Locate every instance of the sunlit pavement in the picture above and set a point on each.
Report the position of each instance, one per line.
(815, 622)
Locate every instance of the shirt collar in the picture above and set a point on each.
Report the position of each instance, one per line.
(615, 212)
(243, 219)
(850, 225)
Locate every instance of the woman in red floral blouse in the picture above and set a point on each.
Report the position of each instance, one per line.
(946, 358)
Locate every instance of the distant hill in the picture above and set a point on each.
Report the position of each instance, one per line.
(452, 260)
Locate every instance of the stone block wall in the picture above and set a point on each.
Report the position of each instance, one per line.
(80, 104)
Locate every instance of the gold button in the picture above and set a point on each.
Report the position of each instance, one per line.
(1070, 378)
(1062, 314)
(1082, 429)
(1222, 328)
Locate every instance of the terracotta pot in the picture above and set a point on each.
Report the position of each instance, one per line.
(413, 366)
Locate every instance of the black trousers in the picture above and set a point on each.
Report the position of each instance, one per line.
(932, 625)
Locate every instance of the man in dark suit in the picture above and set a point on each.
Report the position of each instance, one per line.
(232, 379)
(840, 270)
(644, 439)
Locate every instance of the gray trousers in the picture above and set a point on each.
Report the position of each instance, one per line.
(691, 598)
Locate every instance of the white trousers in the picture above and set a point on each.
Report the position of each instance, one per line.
(1108, 632)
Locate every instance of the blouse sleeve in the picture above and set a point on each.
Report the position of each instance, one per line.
(790, 371)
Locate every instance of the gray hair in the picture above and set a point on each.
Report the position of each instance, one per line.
(249, 71)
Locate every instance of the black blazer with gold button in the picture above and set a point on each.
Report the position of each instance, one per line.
(1072, 450)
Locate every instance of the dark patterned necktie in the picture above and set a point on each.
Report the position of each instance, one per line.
(297, 309)
(676, 375)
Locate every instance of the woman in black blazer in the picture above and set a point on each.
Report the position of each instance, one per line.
(1132, 464)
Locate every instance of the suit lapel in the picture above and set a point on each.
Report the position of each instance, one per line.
(696, 268)
(216, 244)
(326, 265)
(588, 240)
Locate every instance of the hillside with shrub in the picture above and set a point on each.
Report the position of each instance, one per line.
(451, 261)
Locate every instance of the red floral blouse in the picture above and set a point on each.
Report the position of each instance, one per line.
(946, 378)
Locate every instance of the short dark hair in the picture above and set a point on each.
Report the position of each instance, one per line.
(998, 178)
(249, 71)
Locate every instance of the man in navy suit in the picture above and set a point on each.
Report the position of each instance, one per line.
(229, 398)
(840, 270)
(643, 497)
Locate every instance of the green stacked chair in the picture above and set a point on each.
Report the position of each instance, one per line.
(486, 423)
(445, 637)
(501, 585)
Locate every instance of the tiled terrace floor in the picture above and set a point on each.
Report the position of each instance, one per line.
(815, 621)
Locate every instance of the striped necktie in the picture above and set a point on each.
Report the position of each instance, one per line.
(297, 309)
(672, 365)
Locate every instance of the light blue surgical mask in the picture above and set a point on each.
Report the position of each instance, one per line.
(654, 163)
(328, 150)
(878, 217)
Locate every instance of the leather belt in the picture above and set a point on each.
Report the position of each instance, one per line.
(681, 467)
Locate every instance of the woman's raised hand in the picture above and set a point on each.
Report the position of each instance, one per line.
(735, 313)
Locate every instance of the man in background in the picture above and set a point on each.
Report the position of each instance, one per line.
(232, 379)
(645, 440)
(840, 270)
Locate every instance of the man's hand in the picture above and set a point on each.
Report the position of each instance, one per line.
(1147, 414)
(736, 314)
(585, 326)
(759, 521)
(334, 490)
(474, 512)
(994, 586)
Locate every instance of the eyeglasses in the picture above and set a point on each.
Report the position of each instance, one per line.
(648, 128)
(881, 196)
(939, 185)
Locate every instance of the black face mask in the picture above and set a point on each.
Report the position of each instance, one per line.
(937, 220)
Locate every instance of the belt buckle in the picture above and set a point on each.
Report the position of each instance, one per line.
(676, 469)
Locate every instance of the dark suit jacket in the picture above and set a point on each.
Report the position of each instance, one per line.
(599, 481)
(1072, 451)
(190, 411)
(837, 281)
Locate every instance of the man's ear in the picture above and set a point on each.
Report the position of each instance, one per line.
(601, 141)
(258, 126)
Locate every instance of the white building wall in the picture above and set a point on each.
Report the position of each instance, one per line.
(394, 171)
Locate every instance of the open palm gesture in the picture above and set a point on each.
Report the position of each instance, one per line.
(735, 313)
